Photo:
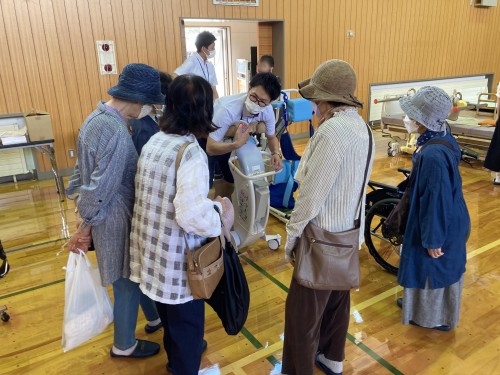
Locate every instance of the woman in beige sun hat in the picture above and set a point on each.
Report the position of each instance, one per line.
(331, 173)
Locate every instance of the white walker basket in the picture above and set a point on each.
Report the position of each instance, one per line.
(251, 199)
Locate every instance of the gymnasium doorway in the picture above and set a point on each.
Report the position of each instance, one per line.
(239, 45)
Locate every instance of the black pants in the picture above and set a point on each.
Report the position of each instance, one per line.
(220, 161)
(315, 320)
(492, 161)
(183, 327)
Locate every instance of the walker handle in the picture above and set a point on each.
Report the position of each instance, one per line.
(258, 176)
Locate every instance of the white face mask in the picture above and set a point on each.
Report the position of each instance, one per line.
(315, 108)
(410, 125)
(145, 110)
(253, 108)
(210, 54)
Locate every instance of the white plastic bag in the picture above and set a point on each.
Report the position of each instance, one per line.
(87, 307)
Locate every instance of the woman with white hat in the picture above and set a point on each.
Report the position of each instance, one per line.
(433, 256)
(332, 170)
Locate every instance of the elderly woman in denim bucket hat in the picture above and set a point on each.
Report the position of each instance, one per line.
(433, 256)
(103, 180)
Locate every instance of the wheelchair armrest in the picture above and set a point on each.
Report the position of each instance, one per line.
(404, 171)
(378, 185)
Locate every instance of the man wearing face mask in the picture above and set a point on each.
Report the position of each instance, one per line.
(246, 112)
(198, 64)
(104, 177)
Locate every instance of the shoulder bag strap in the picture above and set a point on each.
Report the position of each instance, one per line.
(180, 153)
(178, 159)
(417, 162)
(357, 222)
(439, 142)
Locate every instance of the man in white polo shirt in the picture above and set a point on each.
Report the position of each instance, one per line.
(198, 63)
(253, 108)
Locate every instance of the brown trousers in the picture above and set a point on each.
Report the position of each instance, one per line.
(315, 320)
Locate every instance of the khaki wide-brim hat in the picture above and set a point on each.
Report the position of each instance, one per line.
(333, 81)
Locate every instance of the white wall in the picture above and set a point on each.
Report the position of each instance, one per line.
(243, 35)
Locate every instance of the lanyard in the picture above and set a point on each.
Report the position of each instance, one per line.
(207, 76)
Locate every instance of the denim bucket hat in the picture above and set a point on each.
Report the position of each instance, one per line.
(430, 106)
(138, 83)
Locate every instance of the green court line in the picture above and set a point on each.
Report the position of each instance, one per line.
(350, 337)
(245, 332)
(374, 355)
(265, 273)
(257, 344)
(33, 245)
(31, 289)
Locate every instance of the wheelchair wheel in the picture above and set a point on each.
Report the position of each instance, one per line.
(385, 250)
(5, 317)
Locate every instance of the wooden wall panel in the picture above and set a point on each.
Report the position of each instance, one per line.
(48, 55)
(265, 39)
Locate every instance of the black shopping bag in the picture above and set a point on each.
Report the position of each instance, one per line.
(231, 298)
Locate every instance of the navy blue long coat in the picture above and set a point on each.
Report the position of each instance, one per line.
(438, 218)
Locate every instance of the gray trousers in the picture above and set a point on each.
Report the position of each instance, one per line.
(315, 320)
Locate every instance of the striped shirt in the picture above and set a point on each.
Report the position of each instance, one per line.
(165, 209)
(104, 180)
(331, 174)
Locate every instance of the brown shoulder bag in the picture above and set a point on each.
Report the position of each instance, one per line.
(206, 263)
(327, 260)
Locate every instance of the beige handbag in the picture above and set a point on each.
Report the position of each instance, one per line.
(205, 264)
(330, 261)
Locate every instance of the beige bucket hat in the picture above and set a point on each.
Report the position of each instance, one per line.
(333, 81)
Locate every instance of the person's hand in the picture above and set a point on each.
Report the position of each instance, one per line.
(242, 134)
(225, 203)
(221, 201)
(81, 240)
(289, 249)
(435, 253)
(276, 162)
(253, 126)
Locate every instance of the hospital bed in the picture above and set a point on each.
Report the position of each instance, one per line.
(471, 136)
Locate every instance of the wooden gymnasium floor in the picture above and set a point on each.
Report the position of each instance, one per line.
(31, 223)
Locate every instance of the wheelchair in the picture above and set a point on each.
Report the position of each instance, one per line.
(384, 247)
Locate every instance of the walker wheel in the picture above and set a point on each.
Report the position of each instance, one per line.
(273, 244)
(391, 152)
(5, 317)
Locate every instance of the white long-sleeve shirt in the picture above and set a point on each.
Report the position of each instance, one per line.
(331, 174)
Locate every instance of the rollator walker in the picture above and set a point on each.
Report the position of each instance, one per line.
(251, 198)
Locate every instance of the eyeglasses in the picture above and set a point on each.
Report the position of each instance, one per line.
(254, 98)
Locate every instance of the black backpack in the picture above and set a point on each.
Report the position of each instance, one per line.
(231, 298)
